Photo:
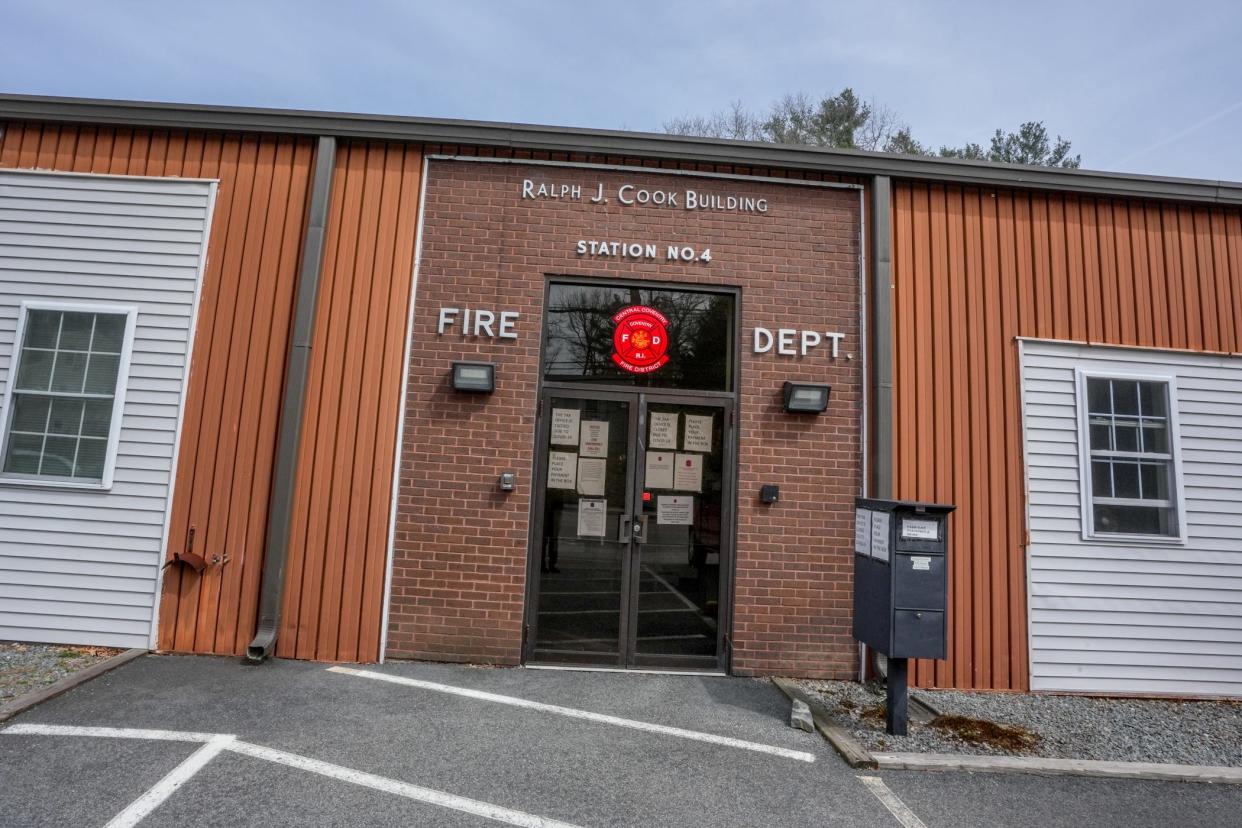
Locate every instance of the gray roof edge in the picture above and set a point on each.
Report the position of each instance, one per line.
(609, 142)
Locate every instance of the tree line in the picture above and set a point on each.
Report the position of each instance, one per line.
(845, 121)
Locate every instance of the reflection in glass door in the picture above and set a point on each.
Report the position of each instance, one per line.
(679, 551)
(633, 531)
(585, 536)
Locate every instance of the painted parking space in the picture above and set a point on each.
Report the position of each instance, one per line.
(299, 744)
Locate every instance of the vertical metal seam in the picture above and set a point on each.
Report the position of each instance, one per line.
(292, 410)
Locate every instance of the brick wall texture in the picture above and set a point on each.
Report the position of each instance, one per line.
(460, 551)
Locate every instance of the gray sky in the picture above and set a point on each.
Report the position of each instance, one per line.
(1146, 87)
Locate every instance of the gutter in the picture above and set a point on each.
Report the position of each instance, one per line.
(293, 407)
(577, 141)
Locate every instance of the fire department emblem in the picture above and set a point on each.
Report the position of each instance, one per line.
(640, 341)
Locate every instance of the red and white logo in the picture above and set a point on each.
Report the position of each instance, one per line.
(640, 341)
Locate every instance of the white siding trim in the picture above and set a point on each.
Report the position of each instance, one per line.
(81, 565)
(1129, 616)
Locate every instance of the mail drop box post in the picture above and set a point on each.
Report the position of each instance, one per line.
(901, 551)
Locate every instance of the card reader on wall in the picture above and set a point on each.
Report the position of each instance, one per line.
(769, 493)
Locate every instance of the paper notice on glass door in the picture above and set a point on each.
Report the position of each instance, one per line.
(562, 469)
(698, 433)
(675, 510)
(594, 438)
(591, 472)
(592, 518)
(688, 473)
(564, 427)
(659, 470)
(663, 430)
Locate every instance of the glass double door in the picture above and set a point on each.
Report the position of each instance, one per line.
(631, 556)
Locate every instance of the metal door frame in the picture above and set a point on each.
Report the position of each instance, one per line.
(637, 397)
(728, 511)
(534, 549)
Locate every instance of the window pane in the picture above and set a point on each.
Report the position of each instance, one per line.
(1135, 520)
(91, 454)
(1101, 435)
(1125, 432)
(98, 419)
(69, 372)
(1101, 478)
(1125, 397)
(1155, 437)
(1125, 479)
(109, 333)
(1097, 396)
(687, 343)
(35, 373)
(66, 417)
(75, 331)
(42, 328)
(1154, 399)
(58, 456)
(30, 412)
(1155, 479)
(23, 454)
(101, 374)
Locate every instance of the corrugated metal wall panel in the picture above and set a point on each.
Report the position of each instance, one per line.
(338, 552)
(1108, 616)
(82, 566)
(236, 379)
(973, 269)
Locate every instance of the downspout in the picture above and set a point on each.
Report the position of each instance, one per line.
(882, 338)
(881, 425)
(293, 408)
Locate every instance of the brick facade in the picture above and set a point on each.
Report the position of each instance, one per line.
(460, 550)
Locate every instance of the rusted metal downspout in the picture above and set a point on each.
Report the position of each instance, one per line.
(293, 407)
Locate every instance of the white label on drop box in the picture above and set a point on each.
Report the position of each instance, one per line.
(916, 529)
(862, 531)
(921, 563)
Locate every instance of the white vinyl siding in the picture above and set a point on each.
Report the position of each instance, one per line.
(1135, 615)
(81, 566)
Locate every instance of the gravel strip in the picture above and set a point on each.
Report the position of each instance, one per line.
(28, 667)
(1067, 727)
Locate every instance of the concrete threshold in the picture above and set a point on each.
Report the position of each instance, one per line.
(1058, 767)
(23, 703)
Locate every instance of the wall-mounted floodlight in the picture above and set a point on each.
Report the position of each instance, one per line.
(806, 397)
(476, 377)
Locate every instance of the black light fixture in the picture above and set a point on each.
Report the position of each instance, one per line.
(806, 397)
(475, 377)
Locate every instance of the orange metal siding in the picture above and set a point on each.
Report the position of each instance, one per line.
(232, 402)
(335, 575)
(975, 268)
(339, 540)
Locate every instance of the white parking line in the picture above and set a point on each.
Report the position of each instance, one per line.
(574, 713)
(392, 786)
(891, 801)
(108, 732)
(214, 743)
(137, 810)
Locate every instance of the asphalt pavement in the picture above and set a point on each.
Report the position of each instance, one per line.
(464, 746)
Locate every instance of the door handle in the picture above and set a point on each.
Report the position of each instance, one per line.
(624, 535)
(640, 528)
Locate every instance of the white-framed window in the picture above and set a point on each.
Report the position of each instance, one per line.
(66, 390)
(1129, 457)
